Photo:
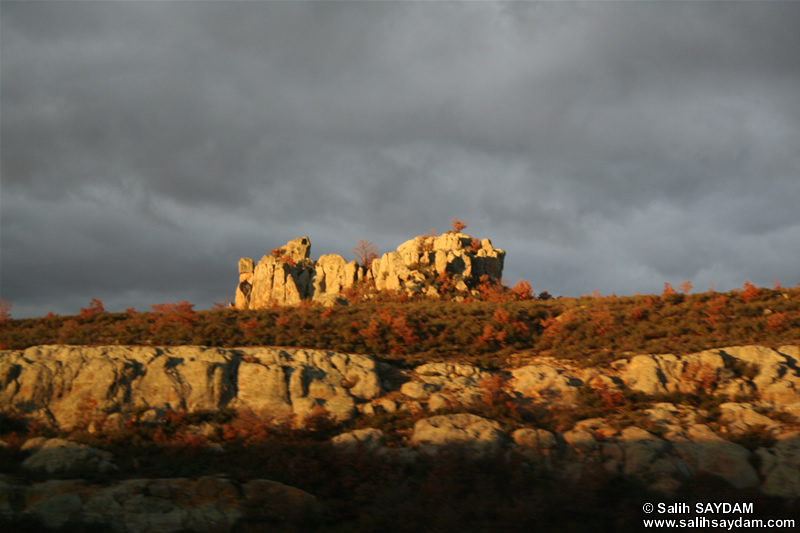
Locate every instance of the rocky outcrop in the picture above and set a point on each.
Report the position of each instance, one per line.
(288, 276)
(282, 278)
(68, 386)
(209, 503)
(64, 457)
(750, 442)
(772, 375)
(417, 262)
(445, 385)
(479, 434)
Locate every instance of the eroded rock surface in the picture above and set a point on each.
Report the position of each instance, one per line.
(479, 434)
(288, 275)
(750, 442)
(70, 386)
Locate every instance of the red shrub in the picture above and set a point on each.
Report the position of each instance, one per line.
(401, 329)
(178, 314)
(776, 321)
(522, 290)
(603, 321)
(475, 245)
(491, 335)
(750, 292)
(95, 308)
(458, 225)
(716, 308)
(249, 327)
(501, 316)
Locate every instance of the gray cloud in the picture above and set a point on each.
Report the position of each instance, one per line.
(606, 146)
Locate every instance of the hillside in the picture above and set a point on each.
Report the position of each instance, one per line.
(402, 413)
(491, 329)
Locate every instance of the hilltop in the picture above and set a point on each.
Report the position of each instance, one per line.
(462, 408)
(488, 328)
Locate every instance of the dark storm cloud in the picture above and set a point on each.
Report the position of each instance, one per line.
(606, 146)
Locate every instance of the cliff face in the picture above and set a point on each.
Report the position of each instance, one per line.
(419, 266)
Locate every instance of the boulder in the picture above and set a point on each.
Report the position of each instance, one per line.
(580, 440)
(369, 439)
(60, 456)
(739, 418)
(479, 435)
(780, 467)
(640, 449)
(536, 439)
(709, 453)
(446, 385)
(545, 383)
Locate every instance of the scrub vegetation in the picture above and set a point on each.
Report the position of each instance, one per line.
(490, 329)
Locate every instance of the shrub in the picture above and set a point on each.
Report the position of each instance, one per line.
(522, 290)
(777, 321)
(751, 292)
(457, 226)
(173, 321)
(95, 308)
(475, 245)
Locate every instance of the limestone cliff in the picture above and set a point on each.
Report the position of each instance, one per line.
(288, 276)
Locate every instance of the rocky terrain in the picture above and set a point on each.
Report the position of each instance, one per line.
(661, 420)
(288, 276)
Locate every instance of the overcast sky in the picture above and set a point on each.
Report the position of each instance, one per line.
(607, 146)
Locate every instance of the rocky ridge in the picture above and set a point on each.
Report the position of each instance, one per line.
(749, 437)
(288, 276)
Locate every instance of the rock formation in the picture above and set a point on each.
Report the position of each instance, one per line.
(750, 442)
(288, 276)
(65, 386)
